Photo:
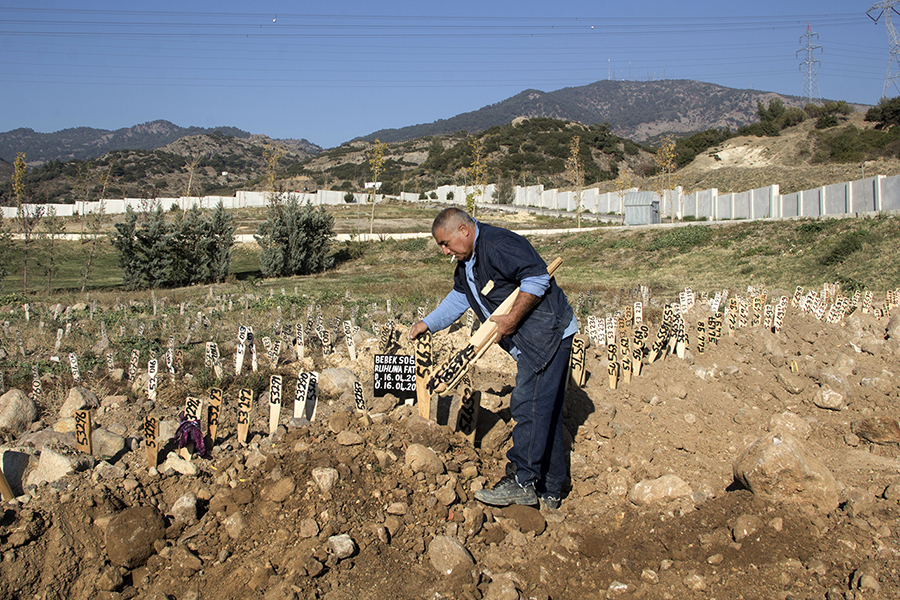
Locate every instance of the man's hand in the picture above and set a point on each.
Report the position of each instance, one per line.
(417, 330)
(508, 323)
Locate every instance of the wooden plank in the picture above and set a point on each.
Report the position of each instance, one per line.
(245, 403)
(83, 431)
(151, 440)
(424, 366)
(450, 375)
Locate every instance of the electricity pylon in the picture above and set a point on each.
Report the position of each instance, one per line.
(888, 11)
(808, 66)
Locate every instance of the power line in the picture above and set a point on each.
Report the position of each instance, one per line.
(810, 88)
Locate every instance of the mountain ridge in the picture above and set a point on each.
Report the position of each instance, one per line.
(89, 142)
(637, 110)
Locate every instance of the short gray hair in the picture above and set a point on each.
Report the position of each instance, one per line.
(450, 218)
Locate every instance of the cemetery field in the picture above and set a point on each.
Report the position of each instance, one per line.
(857, 252)
(729, 434)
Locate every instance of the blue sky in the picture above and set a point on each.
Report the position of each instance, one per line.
(332, 71)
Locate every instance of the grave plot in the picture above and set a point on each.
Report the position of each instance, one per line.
(357, 482)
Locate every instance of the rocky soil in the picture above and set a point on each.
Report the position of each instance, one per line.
(764, 467)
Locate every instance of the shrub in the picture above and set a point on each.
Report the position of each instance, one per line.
(295, 239)
(349, 197)
(681, 238)
(193, 249)
(826, 121)
(449, 195)
(433, 195)
(846, 245)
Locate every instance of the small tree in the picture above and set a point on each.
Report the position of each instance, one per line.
(624, 182)
(125, 242)
(506, 190)
(665, 162)
(478, 171)
(576, 173)
(54, 227)
(376, 164)
(154, 247)
(221, 244)
(271, 154)
(192, 166)
(295, 239)
(27, 216)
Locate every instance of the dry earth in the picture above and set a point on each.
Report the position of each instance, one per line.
(379, 504)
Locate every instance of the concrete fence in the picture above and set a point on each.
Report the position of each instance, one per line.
(873, 194)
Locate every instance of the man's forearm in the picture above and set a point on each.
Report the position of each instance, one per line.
(508, 323)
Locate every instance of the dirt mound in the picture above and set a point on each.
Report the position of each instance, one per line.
(336, 508)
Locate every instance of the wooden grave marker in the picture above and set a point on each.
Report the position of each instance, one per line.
(151, 440)
(637, 350)
(312, 396)
(133, 365)
(424, 364)
(20, 341)
(274, 402)
(358, 396)
(245, 404)
(212, 414)
(59, 336)
(73, 364)
(469, 407)
(577, 361)
(152, 369)
(83, 431)
(299, 341)
(624, 355)
(701, 337)
(348, 336)
(300, 394)
(276, 354)
(37, 393)
(613, 368)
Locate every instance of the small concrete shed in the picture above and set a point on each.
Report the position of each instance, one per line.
(641, 208)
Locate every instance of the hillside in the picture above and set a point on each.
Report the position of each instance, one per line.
(87, 142)
(221, 164)
(637, 110)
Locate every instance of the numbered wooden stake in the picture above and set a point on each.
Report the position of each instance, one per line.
(312, 397)
(193, 408)
(245, 403)
(613, 368)
(348, 336)
(274, 402)
(577, 362)
(83, 431)
(469, 407)
(423, 373)
(299, 341)
(701, 337)
(152, 368)
(358, 396)
(300, 394)
(151, 443)
(212, 414)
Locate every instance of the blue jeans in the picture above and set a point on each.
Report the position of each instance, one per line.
(536, 405)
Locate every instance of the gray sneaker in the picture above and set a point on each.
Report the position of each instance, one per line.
(506, 492)
(549, 502)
